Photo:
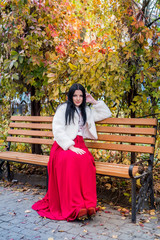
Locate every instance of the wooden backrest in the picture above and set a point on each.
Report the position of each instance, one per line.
(126, 134)
(121, 134)
(31, 129)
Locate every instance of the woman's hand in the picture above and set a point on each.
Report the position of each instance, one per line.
(90, 99)
(77, 150)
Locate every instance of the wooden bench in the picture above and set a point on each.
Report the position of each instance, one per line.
(133, 136)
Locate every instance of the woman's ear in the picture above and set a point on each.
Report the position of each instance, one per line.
(66, 97)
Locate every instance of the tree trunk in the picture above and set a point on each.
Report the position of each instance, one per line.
(35, 111)
(131, 95)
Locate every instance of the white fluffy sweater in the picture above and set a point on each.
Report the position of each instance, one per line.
(65, 134)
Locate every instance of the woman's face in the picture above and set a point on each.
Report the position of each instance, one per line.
(77, 98)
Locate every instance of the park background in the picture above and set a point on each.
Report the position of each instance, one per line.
(111, 47)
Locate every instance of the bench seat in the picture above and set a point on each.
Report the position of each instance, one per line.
(104, 168)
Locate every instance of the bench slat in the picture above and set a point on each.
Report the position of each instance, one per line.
(108, 146)
(119, 121)
(25, 158)
(32, 118)
(131, 121)
(120, 147)
(43, 160)
(112, 138)
(31, 125)
(103, 129)
(30, 133)
(126, 130)
(114, 170)
(30, 140)
(127, 139)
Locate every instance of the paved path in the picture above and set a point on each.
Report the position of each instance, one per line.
(19, 221)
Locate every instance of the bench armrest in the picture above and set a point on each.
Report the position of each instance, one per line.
(141, 168)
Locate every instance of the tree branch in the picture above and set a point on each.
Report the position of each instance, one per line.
(155, 20)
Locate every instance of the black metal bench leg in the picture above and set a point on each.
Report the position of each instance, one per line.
(133, 200)
(151, 191)
(9, 171)
(47, 179)
(1, 170)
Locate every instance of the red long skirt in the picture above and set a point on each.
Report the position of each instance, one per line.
(72, 183)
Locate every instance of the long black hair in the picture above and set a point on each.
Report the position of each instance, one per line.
(71, 108)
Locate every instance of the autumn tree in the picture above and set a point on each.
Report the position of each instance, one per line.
(118, 59)
(110, 47)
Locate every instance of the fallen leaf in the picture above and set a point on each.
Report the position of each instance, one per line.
(152, 212)
(123, 218)
(85, 230)
(105, 234)
(142, 220)
(107, 212)
(158, 227)
(153, 217)
(35, 229)
(108, 186)
(27, 211)
(157, 235)
(50, 238)
(114, 236)
(141, 224)
(12, 213)
(103, 208)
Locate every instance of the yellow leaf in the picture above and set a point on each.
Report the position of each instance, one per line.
(141, 38)
(72, 67)
(152, 212)
(51, 75)
(51, 80)
(152, 69)
(108, 186)
(103, 208)
(138, 182)
(85, 59)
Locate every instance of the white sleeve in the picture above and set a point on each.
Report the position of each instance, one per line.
(100, 111)
(58, 127)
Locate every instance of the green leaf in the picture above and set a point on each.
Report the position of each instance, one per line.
(21, 59)
(13, 53)
(16, 64)
(15, 76)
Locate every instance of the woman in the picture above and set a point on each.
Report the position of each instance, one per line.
(72, 174)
